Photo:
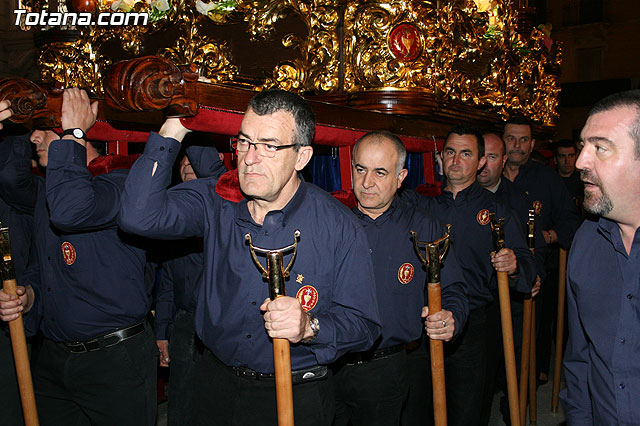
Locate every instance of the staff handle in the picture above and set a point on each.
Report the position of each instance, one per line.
(507, 326)
(434, 295)
(21, 360)
(562, 291)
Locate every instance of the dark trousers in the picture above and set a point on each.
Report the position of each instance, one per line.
(464, 368)
(371, 393)
(546, 313)
(418, 407)
(224, 399)
(465, 375)
(11, 412)
(496, 374)
(115, 386)
(182, 368)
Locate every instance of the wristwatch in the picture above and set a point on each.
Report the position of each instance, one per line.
(315, 327)
(76, 133)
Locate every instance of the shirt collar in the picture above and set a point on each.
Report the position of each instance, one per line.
(468, 193)
(275, 216)
(383, 217)
(610, 230)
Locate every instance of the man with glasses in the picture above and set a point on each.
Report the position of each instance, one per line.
(332, 308)
(556, 216)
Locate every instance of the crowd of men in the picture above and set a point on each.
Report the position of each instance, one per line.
(88, 239)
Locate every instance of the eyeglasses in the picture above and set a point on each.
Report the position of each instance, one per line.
(263, 149)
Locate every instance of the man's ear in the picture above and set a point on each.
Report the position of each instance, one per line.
(304, 156)
(401, 176)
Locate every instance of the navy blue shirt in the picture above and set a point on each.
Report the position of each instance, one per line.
(519, 201)
(16, 208)
(182, 272)
(178, 285)
(89, 276)
(471, 236)
(601, 362)
(400, 275)
(550, 199)
(332, 275)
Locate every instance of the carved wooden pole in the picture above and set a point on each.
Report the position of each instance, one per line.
(526, 329)
(562, 290)
(434, 296)
(281, 349)
(497, 228)
(152, 83)
(18, 339)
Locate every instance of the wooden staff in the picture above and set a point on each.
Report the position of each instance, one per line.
(281, 350)
(533, 373)
(557, 366)
(18, 339)
(434, 295)
(526, 329)
(497, 228)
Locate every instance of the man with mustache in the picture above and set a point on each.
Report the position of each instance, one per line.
(603, 271)
(234, 317)
(491, 179)
(565, 155)
(466, 206)
(556, 216)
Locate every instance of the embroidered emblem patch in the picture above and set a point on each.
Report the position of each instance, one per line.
(483, 217)
(68, 253)
(405, 273)
(308, 297)
(537, 207)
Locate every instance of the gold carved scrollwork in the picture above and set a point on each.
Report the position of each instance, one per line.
(73, 64)
(317, 68)
(212, 59)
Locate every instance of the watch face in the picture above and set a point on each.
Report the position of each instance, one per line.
(78, 133)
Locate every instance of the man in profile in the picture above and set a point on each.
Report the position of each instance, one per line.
(603, 271)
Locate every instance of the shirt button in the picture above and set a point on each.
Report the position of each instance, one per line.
(170, 149)
(629, 296)
(162, 148)
(48, 257)
(248, 336)
(48, 288)
(621, 386)
(253, 303)
(623, 341)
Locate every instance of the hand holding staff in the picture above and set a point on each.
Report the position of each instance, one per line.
(497, 228)
(432, 262)
(281, 350)
(18, 339)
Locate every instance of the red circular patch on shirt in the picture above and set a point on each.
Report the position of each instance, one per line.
(308, 297)
(537, 207)
(68, 253)
(405, 42)
(405, 273)
(483, 217)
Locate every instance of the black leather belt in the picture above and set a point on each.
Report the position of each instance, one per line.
(368, 356)
(105, 341)
(297, 376)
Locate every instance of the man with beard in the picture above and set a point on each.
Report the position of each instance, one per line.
(601, 361)
(556, 216)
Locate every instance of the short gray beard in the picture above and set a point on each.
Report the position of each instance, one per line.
(599, 205)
